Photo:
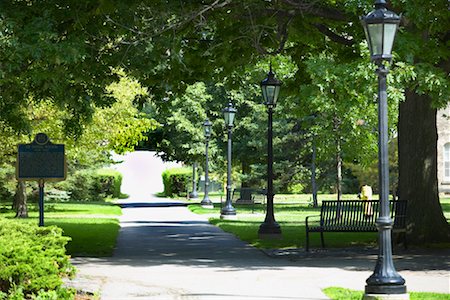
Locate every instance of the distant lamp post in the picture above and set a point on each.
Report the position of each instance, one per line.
(270, 90)
(380, 27)
(194, 194)
(228, 211)
(206, 202)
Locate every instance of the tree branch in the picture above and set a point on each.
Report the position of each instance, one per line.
(333, 36)
(312, 7)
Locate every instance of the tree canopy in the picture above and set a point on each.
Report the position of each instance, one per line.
(195, 56)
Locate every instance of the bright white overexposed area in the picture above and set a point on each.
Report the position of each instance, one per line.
(141, 172)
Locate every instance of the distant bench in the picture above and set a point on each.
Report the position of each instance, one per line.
(354, 216)
(249, 196)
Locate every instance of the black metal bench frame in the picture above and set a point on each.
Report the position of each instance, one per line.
(252, 196)
(355, 216)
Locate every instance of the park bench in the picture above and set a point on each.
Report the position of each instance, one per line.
(354, 216)
(249, 196)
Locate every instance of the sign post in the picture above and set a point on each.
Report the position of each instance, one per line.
(41, 161)
(41, 202)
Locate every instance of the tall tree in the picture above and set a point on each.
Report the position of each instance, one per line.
(423, 46)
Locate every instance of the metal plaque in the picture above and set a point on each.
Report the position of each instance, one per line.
(41, 160)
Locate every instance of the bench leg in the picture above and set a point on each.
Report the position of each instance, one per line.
(307, 240)
(405, 244)
(322, 240)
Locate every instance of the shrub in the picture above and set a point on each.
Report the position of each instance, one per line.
(110, 182)
(176, 181)
(32, 259)
(7, 182)
(92, 185)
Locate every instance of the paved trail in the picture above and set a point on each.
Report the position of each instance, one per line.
(166, 252)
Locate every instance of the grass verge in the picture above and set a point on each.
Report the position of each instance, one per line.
(337, 293)
(291, 214)
(291, 218)
(92, 227)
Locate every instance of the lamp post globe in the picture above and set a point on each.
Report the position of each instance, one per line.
(380, 27)
(228, 211)
(206, 202)
(270, 88)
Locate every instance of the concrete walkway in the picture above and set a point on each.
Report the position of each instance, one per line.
(166, 252)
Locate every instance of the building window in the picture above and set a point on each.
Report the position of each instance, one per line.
(447, 161)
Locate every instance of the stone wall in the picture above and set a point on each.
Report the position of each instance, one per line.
(443, 126)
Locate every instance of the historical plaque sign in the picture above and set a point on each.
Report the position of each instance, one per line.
(41, 160)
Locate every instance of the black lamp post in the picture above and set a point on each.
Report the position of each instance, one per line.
(228, 211)
(270, 89)
(206, 202)
(194, 194)
(380, 27)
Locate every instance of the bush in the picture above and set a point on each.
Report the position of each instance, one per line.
(32, 260)
(176, 181)
(110, 182)
(92, 185)
(7, 182)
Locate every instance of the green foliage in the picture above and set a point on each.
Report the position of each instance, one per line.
(176, 181)
(90, 236)
(53, 53)
(338, 293)
(92, 227)
(7, 184)
(92, 185)
(110, 182)
(32, 258)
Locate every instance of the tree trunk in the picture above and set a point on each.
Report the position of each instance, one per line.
(338, 172)
(417, 150)
(246, 169)
(313, 174)
(20, 201)
(336, 126)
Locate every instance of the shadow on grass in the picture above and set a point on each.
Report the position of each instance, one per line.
(90, 237)
(293, 235)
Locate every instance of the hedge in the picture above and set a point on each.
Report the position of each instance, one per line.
(176, 181)
(33, 261)
(92, 185)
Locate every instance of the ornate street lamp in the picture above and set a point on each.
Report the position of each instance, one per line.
(228, 211)
(270, 90)
(206, 202)
(380, 27)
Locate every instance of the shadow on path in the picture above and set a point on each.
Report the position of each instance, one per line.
(152, 204)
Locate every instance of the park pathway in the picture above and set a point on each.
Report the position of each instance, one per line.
(166, 252)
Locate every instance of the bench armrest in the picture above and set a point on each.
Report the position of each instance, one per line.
(307, 218)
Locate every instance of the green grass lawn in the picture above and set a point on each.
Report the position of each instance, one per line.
(337, 293)
(290, 213)
(93, 227)
(291, 218)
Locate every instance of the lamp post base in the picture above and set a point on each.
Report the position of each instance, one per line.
(228, 217)
(207, 205)
(193, 195)
(386, 296)
(381, 290)
(270, 230)
(228, 213)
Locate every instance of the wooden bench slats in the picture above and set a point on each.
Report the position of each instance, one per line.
(355, 216)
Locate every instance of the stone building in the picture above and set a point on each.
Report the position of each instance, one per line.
(443, 149)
